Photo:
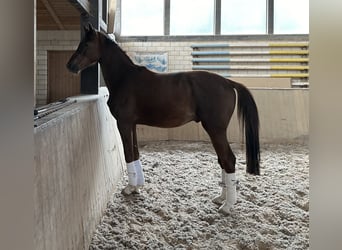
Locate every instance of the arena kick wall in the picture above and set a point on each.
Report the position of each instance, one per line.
(78, 163)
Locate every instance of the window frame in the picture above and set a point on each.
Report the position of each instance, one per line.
(217, 27)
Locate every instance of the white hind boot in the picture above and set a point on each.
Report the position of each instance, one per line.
(132, 180)
(230, 192)
(136, 178)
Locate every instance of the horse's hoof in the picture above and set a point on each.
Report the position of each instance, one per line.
(225, 208)
(129, 189)
(218, 200)
(138, 188)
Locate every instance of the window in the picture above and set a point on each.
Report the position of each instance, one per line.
(243, 17)
(200, 17)
(142, 17)
(291, 16)
(188, 17)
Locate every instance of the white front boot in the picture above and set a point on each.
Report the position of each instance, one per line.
(140, 173)
(230, 187)
(132, 180)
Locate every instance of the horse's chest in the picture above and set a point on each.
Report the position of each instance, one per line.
(120, 107)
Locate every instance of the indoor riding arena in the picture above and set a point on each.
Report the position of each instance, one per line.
(126, 158)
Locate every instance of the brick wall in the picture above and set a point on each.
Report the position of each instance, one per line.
(180, 58)
(179, 53)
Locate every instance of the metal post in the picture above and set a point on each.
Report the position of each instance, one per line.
(166, 17)
(217, 17)
(270, 16)
(90, 77)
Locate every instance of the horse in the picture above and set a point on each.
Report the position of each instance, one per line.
(140, 96)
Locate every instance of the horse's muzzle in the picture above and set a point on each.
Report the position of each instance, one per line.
(72, 67)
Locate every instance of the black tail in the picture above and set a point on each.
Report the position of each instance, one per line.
(249, 120)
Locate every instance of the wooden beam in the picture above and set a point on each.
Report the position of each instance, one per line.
(83, 6)
(53, 14)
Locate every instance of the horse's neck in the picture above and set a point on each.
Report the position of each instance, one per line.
(115, 65)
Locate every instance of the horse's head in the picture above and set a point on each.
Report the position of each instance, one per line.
(87, 52)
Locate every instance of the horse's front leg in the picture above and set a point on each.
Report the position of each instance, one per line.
(126, 134)
(137, 162)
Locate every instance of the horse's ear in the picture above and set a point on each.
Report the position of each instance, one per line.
(86, 29)
(90, 27)
(91, 30)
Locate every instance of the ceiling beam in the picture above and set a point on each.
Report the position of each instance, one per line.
(83, 6)
(53, 14)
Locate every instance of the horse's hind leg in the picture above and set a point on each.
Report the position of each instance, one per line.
(226, 160)
(137, 162)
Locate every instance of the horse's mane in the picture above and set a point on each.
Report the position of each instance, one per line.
(111, 42)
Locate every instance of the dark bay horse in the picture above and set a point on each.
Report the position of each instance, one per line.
(140, 96)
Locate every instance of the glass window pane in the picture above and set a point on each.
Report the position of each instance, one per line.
(189, 17)
(243, 17)
(291, 16)
(142, 17)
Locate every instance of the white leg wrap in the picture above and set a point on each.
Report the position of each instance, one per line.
(132, 180)
(221, 198)
(140, 173)
(230, 183)
(132, 174)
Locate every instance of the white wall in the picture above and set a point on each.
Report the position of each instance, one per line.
(78, 163)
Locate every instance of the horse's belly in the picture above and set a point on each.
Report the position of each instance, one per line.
(170, 107)
(167, 119)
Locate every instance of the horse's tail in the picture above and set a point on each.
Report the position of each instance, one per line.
(249, 121)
